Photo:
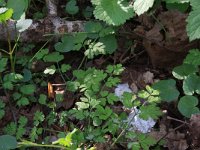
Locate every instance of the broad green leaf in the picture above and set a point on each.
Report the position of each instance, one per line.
(113, 12)
(71, 7)
(27, 89)
(182, 7)
(65, 67)
(82, 105)
(18, 6)
(53, 57)
(188, 106)
(7, 142)
(167, 89)
(110, 43)
(3, 63)
(42, 99)
(193, 57)
(142, 6)
(5, 14)
(150, 111)
(191, 84)
(193, 21)
(127, 99)
(181, 72)
(93, 29)
(23, 24)
(23, 101)
(27, 75)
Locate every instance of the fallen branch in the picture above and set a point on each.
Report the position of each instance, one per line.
(37, 31)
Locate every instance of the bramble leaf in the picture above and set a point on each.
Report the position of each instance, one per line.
(142, 6)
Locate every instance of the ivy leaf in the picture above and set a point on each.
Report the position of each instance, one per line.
(181, 72)
(113, 12)
(7, 142)
(142, 6)
(53, 57)
(193, 57)
(193, 21)
(187, 106)
(27, 89)
(72, 7)
(110, 43)
(167, 90)
(191, 84)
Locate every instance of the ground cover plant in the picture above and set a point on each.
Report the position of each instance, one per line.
(99, 74)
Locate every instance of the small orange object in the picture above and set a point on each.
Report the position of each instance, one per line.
(50, 91)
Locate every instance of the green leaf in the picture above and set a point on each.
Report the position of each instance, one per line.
(53, 57)
(187, 106)
(151, 111)
(127, 99)
(191, 84)
(193, 21)
(65, 68)
(18, 6)
(41, 53)
(5, 14)
(23, 101)
(167, 89)
(95, 49)
(82, 105)
(72, 7)
(70, 43)
(181, 72)
(110, 43)
(27, 75)
(3, 63)
(193, 57)
(113, 12)
(7, 142)
(42, 99)
(27, 89)
(142, 6)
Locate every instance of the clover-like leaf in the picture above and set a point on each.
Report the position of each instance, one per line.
(142, 6)
(188, 106)
(113, 12)
(181, 72)
(167, 90)
(191, 84)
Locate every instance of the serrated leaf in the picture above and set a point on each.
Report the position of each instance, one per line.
(113, 12)
(7, 142)
(181, 72)
(193, 21)
(193, 57)
(142, 6)
(167, 89)
(191, 84)
(187, 106)
(150, 111)
(40, 54)
(3, 63)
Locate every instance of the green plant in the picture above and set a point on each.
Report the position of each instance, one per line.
(188, 73)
